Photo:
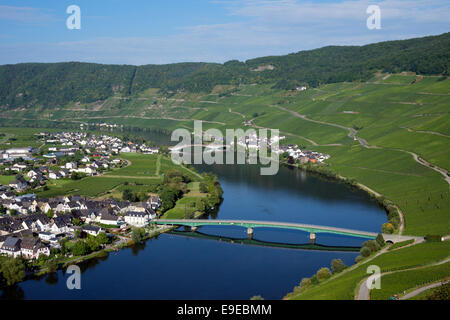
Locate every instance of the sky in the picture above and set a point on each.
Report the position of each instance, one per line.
(167, 31)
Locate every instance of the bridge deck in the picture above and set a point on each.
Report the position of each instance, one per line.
(271, 224)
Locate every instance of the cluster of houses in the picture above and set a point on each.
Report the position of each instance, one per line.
(250, 140)
(102, 144)
(96, 156)
(28, 229)
(303, 156)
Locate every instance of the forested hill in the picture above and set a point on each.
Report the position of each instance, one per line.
(53, 84)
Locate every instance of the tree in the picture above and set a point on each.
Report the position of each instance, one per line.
(137, 234)
(380, 240)
(372, 245)
(51, 265)
(387, 228)
(203, 187)
(323, 274)
(63, 244)
(80, 248)
(127, 195)
(365, 252)
(92, 244)
(306, 282)
(337, 265)
(13, 270)
(258, 297)
(102, 238)
(50, 213)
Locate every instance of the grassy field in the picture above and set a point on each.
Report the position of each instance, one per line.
(6, 179)
(343, 286)
(112, 184)
(141, 166)
(187, 205)
(398, 282)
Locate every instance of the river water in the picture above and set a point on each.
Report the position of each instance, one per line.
(220, 262)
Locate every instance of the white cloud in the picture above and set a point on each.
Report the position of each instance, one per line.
(263, 28)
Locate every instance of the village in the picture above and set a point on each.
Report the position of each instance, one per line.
(70, 154)
(32, 227)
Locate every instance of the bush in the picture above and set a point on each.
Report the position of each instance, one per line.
(380, 240)
(387, 228)
(80, 248)
(358, 259)
(337, 265)
(372, 245)
(441, 293)
(323, 274)
(137, 235)
(365, 252)
(306, 282)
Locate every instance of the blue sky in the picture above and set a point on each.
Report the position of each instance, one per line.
(153, 31)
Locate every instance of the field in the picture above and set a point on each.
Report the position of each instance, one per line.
(6, 179)
(187, 205)
(112, 183)
(139, 166)
(401, 281)
(343, 286)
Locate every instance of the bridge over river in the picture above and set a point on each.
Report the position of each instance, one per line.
(252, 224)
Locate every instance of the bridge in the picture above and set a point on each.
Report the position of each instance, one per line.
(251, 224)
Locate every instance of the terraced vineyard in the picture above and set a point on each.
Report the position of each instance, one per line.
(401, 121)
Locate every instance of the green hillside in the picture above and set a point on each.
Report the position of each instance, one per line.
(30, 84)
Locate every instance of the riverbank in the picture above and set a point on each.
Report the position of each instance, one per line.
(392, 210)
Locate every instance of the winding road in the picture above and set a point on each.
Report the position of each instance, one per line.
(364, 291)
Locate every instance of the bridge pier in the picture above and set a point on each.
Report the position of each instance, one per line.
(312, 238)
(250, 233)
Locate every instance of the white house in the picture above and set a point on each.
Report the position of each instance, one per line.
(11, 247)
(47, 236)
(137, 219)
(92, 230)
(71, 165)
(54, 175)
